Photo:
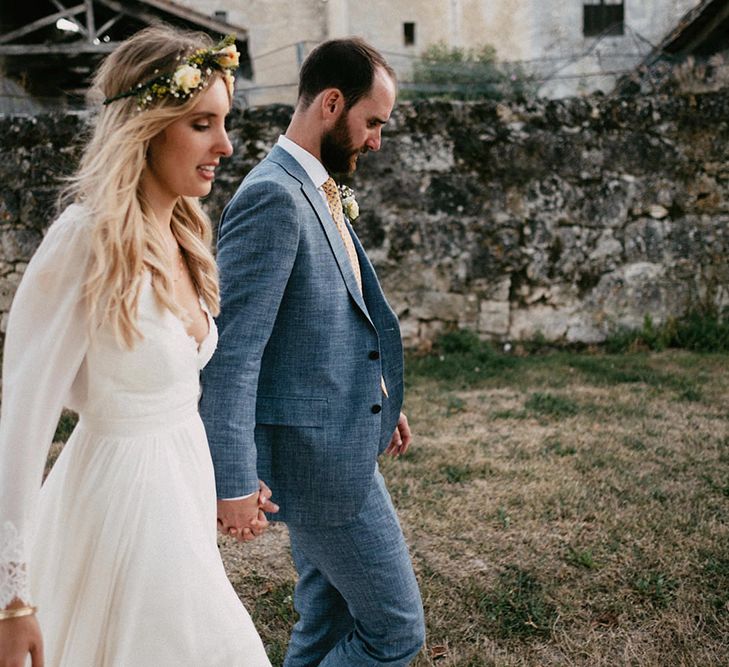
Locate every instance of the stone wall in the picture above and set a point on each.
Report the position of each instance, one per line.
(565, 219)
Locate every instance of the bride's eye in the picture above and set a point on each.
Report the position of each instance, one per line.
(199, 127)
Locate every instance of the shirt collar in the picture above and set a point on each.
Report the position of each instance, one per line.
(313, 168)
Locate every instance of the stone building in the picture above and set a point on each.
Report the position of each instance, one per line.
(569, 46)
(572, 46)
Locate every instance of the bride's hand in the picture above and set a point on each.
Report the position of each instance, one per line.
(18, 637)
(239, 518)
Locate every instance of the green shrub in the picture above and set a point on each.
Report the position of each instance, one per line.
(467, 74)
(702, 333)
(698, 331)
(460, 356)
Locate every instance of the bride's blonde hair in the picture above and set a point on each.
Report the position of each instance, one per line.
(125, 241)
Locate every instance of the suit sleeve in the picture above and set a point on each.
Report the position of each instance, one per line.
(257, 245)
(45, 344)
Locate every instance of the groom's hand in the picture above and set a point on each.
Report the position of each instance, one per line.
(265, 504)
(401, 438)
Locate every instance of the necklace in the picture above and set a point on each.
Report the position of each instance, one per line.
(178, 268)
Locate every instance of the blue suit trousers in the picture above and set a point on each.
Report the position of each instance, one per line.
(357, 597)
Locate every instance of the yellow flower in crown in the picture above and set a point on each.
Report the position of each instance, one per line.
(228, 56)
(186, 78)
(229, 82)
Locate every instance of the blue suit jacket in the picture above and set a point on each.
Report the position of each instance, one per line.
(293, 395)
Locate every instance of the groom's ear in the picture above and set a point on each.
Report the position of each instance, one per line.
(332, 104)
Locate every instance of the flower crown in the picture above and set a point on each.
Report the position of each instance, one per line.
(190, 76)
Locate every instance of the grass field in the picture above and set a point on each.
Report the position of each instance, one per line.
(561, 508)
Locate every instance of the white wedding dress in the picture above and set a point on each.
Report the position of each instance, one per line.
(118, 549)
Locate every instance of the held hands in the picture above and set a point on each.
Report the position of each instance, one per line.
(244, 519)
(18, 638)
(401, 438)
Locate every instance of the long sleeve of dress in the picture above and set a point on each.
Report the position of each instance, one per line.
(45, 344)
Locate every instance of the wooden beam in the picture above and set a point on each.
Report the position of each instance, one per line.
(196, 17)
(90, 22)
(79, 47)
(61, 8)
(184, 13)
(139, 14)
(721, 15)
(103, 29)
(40, 23)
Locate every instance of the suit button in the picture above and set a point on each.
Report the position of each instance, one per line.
(376, 408)
(374, 355)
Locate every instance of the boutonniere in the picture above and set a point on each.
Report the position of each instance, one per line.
(349, 203)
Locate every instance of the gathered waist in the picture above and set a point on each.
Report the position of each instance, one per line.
(131, 426)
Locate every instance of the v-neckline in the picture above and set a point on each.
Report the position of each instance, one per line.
(199, 344)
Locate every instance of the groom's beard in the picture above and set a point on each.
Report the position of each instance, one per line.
(338, 154)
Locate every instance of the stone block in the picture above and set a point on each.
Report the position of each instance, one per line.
(426, 153)
(584, 329)
(540, 320)
(444, 306)
(645, 240)
(18, 244)
(430, 330)
(493, 318)
(625, 296)
(410, 332)
(469, 317)
(8, 286)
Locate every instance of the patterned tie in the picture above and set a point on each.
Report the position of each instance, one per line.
(335, 208)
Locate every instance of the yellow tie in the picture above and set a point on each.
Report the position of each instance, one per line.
(335, 208)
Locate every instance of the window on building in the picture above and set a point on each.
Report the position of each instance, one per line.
(408, 33)
(221, 15)
(603, 17)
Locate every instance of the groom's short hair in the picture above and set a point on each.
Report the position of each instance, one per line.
(347, 64)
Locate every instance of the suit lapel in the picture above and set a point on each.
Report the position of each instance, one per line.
(294, 169)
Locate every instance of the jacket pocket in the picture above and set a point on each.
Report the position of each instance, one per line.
(291, 411)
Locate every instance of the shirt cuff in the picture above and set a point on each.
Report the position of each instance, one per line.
(240, 497)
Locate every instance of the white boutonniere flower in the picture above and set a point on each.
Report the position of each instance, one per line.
(349, 203)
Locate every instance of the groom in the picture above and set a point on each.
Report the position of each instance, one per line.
(305, 389)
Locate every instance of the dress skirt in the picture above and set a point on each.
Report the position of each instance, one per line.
(125, 564)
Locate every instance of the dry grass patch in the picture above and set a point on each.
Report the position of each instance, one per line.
(562, 509)
(587, 524)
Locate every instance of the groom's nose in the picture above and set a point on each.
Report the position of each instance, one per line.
(375, 139)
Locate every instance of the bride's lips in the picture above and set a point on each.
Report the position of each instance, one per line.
(207, 171)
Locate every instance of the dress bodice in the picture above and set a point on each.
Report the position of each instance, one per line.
(158, 376)
(51, 360)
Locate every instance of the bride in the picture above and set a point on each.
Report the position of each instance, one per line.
(113, 318)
